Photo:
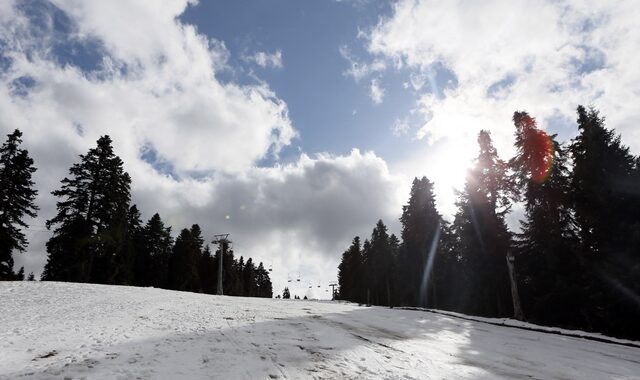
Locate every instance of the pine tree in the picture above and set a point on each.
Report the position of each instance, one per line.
(248, 279)
(20, 275)
(349, 271)
(31, 277)
(606, 201)
(67, 252)
(446, 274)
(394, 281)
(285, 294)
(365, 274)
(602, 177)
(89, 228)
(379, 266)
(124, 260)
(184, 260)
(207, 272)
(545, 248)
(421, 223)
(17, 197)
(482, 238)
(263, 282)
(238, 269)
(152, 254)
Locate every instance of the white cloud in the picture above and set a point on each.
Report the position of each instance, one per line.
(400, 127)
(156, 87)
(156, 93)
(545, 57)
(264, 59)
(297, 217)
(542, 56)
(375, 91)
(358, 69)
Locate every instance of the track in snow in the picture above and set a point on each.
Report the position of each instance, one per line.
(79, 330)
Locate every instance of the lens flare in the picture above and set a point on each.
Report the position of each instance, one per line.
(542, 163)
(538, 148)
(429, 265)
(538, 144)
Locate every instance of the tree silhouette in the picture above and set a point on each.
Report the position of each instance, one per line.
(550, 274)
(90, 227)
(17, 197)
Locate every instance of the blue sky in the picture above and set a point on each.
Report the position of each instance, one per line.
(331, 111)
(295, 125)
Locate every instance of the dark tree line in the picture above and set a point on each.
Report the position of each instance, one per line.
(99, 237)
(576, 254)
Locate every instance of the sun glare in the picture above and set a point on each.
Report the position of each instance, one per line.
(448, 170)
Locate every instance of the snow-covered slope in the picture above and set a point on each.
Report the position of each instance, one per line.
(57, 330)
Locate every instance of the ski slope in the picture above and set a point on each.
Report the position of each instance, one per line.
(58, 330)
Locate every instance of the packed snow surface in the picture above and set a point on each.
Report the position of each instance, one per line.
(58, 330)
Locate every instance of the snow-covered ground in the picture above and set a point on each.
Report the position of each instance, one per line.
(57, 330)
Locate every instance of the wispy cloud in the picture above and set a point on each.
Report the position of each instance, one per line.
(265, 60)
(400, 127)
(375, 91)
(359, 69)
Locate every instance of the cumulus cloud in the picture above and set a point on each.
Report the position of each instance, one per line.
(156, 86)
(264, 59)
(542, 56)
(470, 65)
(297, 218)
(303, 213)
(189, 140)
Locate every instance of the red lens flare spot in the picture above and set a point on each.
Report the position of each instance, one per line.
(542, 162)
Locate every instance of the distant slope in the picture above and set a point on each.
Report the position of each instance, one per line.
(78, 330)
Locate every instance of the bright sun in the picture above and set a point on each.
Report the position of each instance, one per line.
(447, 167)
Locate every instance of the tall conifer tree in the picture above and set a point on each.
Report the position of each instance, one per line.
(17, 197)
(546, 246)
(606, 201)
(91, 220)
(481, 233)
(349, 273)
(421, 223)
